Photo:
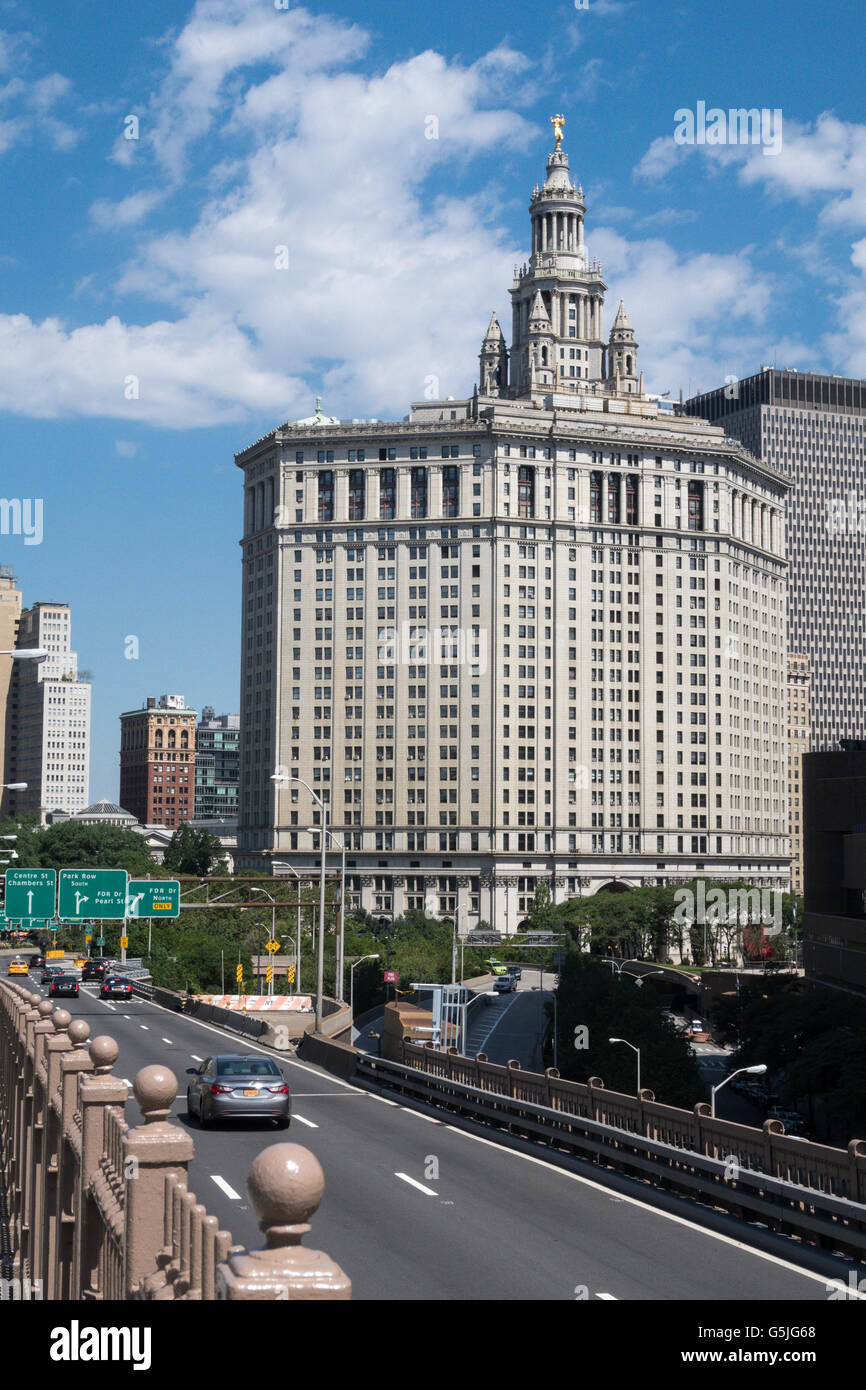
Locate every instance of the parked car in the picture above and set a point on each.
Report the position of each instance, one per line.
(115, 987)
(63, 984)
(504, 984)
(233, 1087)
(18, 966)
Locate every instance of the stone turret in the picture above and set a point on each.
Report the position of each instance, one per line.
(622, 369)
(493, 380)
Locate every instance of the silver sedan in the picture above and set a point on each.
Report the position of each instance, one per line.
(234, 1087)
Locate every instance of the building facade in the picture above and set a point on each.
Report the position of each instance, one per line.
(533, 635)
(50, 743)
(157, 761)
(813, 429)
(10, 616)
(834, 921)
(217, 766)
(798, 744)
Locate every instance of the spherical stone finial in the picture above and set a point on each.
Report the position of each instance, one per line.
(79, 1032)
(286, 1184)
(103, 1051)
(34, 998)
(45, 1008)
(154, 1089)
(61, 1019)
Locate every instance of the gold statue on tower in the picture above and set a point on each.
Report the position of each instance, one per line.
(557, 122)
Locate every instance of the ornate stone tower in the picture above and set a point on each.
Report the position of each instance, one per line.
(569, 286)
(557, 341)
(622, 370)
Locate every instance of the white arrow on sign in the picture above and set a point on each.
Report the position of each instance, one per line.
(132, 904)
(29, 902)
(79, 899)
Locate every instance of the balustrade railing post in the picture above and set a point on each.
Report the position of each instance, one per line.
(55, 1046)
(39, 1120)
(96, 1091)
(73, 1065)
(285, 1185)
(29, 1019)
(152, 1151)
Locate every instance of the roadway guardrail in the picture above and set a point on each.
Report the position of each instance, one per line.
(732, 1166)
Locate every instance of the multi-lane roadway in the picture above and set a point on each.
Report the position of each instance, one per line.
(417, 1209)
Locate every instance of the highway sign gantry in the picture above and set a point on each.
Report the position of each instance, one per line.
(153, 897)
(98, 893)
(30, 892)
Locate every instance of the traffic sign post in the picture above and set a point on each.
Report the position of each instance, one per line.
(30, 892)
(153, 897)
(98, 893)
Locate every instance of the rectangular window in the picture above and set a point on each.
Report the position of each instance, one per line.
(387, 493)
(419, 491)
(326, 496)
(450, 491)
(356, 494)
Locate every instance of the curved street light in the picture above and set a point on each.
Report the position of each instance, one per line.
(757, 1070)
(634, 1049)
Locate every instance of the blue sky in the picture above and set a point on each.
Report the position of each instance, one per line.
(306, 128)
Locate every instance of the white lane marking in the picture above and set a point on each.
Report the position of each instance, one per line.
(109, 1006)
(127, 1017)
(610, 1297)
(665, 1215)
(169, 1041)
(225, 1187)
(301, 1121)
(428, 1191)
(195, 1058)
(144, 1026)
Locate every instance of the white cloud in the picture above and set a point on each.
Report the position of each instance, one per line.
(125, 448)
(386, 284)
(128, 211)
(36, 104)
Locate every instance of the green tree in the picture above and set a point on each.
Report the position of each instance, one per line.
(73, 844)
(595, 999)
(195, 852)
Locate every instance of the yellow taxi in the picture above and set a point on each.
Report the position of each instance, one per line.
(18, 967)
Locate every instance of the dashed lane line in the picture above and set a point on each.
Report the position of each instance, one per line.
(428, 1191)
(225, 1187)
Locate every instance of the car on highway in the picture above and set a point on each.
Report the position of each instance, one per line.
(115, 987)
(515, 972)
(94, 969)
(496, 967)
(504, 984)
(234, 1087)
(62, 984)
(18, 966)
(51, 969)
(36, 962)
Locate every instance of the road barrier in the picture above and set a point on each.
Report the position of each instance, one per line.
(97, 1209)
(810, 1191)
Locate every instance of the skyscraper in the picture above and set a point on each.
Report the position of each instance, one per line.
(537, 634)
(157, 761)
(217, 758)
(50, 747)
(812, 428)
(10, 616)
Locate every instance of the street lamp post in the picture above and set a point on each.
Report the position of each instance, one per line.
(320, 963)
(750, 1071)
(634, 1049)
(352, 969)
(282, 865)
(273, 925)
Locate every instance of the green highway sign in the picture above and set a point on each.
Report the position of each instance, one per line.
(99, 893)
(30, 892)
(153, 898)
